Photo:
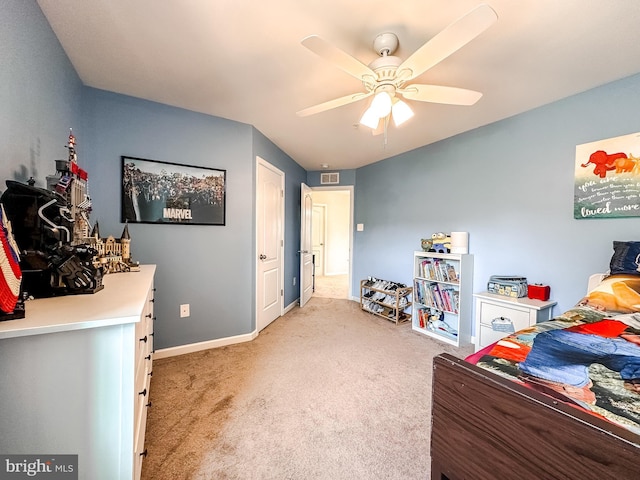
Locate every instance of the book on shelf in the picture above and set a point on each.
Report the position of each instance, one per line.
(437, 269)
(443, 297)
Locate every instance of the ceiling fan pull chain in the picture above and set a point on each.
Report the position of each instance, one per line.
(386, 123)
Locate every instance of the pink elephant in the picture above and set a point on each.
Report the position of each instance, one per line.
(603, 162)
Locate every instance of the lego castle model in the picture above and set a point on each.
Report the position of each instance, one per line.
(71, 181)
(58, 251)
(114, 254)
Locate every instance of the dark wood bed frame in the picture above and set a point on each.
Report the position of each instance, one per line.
(487, 427)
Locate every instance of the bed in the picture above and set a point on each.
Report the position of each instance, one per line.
(505, 412)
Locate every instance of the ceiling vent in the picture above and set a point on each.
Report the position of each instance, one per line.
(329, 178)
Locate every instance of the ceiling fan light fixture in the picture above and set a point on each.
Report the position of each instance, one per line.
(381, 104)
(370, 118)
(401, 112)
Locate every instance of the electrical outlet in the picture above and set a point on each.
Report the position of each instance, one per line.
(184, 310)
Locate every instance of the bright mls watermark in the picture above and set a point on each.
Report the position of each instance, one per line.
(49, 467)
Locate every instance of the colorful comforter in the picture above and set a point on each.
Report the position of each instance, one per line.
(588, 357)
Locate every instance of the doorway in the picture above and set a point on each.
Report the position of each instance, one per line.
(332, 222)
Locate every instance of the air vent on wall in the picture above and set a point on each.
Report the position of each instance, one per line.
(329, 178)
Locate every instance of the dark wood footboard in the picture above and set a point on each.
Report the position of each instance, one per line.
(487, 427)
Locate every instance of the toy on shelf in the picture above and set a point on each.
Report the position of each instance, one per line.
(72, 183)
(113, 254)
(59, 252)
(49, 226)
(11, 302)
(439, 242)
(42, 227)
(436, 323)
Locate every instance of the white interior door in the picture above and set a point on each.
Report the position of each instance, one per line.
(306, 251)
(319, 238)
(270, 243)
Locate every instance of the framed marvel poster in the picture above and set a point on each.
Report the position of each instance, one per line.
(163, 192)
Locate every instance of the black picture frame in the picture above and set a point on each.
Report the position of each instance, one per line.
(171, 193)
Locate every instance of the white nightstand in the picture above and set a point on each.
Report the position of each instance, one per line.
(497, 314)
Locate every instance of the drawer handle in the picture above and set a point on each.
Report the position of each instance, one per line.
(144, 339)
(148, 404)
(502, 324)
(143, 392)
(144, 454)
(152, 300)
(148, 315)
(148, 357)
(150, 373)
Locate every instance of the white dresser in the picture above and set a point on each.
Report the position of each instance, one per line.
(75, 376)
(498, 315)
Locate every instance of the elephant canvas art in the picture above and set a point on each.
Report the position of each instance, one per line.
(607, 178)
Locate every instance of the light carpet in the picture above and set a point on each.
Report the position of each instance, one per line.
(331, 286)
(324, 392)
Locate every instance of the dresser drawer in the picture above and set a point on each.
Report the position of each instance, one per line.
(488, 336)
(519, 318)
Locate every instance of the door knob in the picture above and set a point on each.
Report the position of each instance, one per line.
(263, 256)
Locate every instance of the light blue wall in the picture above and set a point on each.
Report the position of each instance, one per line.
(208, 267)
(509, 184)
(212, 268)
(40, 95)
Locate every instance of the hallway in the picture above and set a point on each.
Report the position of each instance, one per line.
(332, 286)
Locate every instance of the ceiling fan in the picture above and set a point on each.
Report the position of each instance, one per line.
(387, 77)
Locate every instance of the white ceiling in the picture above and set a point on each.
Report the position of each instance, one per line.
(242, 60)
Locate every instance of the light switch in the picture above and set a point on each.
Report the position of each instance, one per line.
(360, 227)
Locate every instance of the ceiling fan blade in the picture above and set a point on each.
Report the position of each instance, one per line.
(449, 40)
(440, 94)
(336, 102)
(338, 57)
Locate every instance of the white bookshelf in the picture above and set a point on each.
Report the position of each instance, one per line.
(442, 296)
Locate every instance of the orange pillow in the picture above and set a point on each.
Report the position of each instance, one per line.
(616, 293)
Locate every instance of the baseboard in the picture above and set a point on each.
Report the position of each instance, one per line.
(291, 306)
(196, 347)
(219, 342)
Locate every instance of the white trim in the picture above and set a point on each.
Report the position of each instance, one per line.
(217, 343)
(196, 347)
(291, 306)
